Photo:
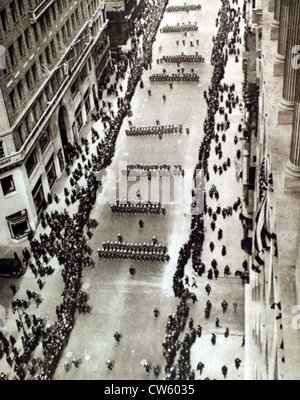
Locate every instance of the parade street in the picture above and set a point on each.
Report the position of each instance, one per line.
(125, 305)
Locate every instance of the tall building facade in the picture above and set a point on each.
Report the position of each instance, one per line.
(121, 15)
(271, 171)
(53, 54)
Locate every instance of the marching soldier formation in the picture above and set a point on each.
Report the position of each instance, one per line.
(151, 171)
(138, 208)
(166, 78)
(185, 7)
(154, 130)
(147, 252)
(180, 28)
(183, 58)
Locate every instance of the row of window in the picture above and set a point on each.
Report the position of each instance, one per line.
(12, 14)
(51, 89)
(24, 88)
(15, 11)
(24, 43)
(45, 139)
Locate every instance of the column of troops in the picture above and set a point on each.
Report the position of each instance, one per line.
(185, 7)
(167, 78)
(180, 28)
(135, 207)
(154, 130)
(140, 170)
(183, 58)
(148, 252)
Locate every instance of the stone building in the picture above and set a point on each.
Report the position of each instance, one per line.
(55, 52)
(121, 15)
(271, 173)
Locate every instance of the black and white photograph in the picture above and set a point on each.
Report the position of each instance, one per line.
(149, 192)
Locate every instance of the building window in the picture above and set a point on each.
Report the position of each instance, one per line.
(64, 34)
(51, 172)
(47, 18)
(4, 20)
(45, 140)
(89, 64)
(27, 39)
(59, 6)
(20, 90)
(28, 80)
(31, 164)
(69, 32)
(53, 12)
(2, 154)
(13, 101)
(48, 57)
(18, 225)
(38, 196)
(61, 160)
(78, 117)
(13, 11)
(42, 25)
(11, 52)
(73, 22)
(87, 102)
(21, 47)
(8, 185)
(83, 74)
(74, 89)
(35, 31)
(53, 49)
(20, 4)
(75, 130)
(34, 72)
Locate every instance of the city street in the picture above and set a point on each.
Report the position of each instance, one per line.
(125, 305)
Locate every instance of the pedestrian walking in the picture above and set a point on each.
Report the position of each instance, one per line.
(238, 363)
(213, 339)
(224, 371)
(117, 337)
(132, 272)
(13, 289)
(208, 289)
